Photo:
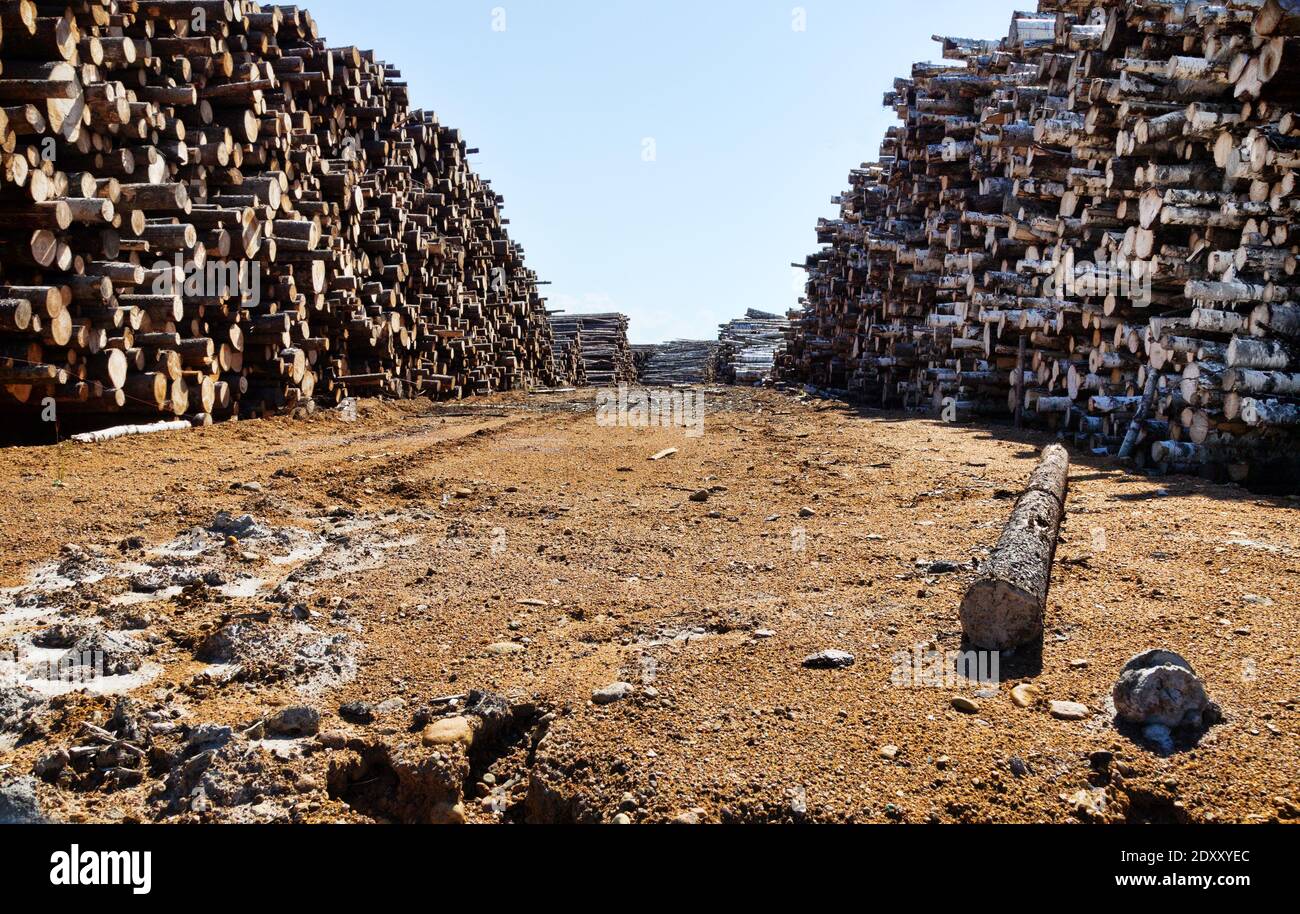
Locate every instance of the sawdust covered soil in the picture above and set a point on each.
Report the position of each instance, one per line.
(461, 578)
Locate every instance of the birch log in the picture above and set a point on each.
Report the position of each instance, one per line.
(1004, 609)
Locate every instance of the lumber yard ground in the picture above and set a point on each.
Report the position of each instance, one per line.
(408, 618)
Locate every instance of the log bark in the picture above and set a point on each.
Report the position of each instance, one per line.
(1004, 609)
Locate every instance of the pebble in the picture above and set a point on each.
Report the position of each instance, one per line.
(1018, 767)
(613, 693)
(448, 732)
(357, 712)
(294, 722)
(505, 648)
(391, 706)
(965, 705)
(622, 819)
(764, 633)
(829, 660)
(1070, 710)
(807, 512)
(889, 752)
(701, 496)
(1025, 695)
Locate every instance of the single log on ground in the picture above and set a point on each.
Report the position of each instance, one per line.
(1004, 608)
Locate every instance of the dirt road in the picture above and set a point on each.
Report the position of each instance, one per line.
(448, 587)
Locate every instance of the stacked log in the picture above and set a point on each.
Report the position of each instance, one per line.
(677, 362)
(1090, 225)
(748, 347)
(601, 343)
(208, 212)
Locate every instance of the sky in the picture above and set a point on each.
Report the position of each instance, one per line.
(667, 159)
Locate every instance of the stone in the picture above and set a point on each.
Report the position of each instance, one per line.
(701, 496)
(1090, 804)
(621, 819)
(612, 693)
(965, 705)
(332, 739)
(1160, 687)
(50, 766)
(807, 512)
(829, 660)
(889, 753)
(1018, 767)
(1025, 695)
(1070, 710)
(691, 817)
(448, 732)
(19, 805)
(294, 722)
(505, 648)
(357, 712)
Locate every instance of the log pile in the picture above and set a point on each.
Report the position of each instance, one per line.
(748, 347)
(601, 344)
(206, 211)
(1091, 225)
(678, 362)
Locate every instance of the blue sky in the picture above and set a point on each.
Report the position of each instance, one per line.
(664, 158)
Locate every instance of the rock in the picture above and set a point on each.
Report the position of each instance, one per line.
(19, 805)
(1070, 710)
(965, 705)
(207, 736)
(889, 753)
(943, 567)
(1089, 803)
(701, 496)
(448, 732)
(332, 739)
(1025, 695)
(621, 819)
(505, 648)
(1160, 687)
(691, 817)
(612, 693)
(50, 766)
(1018, 767)
(237, 527)
(764, 633)
(829, 660)
(357, 712)
(807, 512)
(1101, 759)
(294, 722)
(391, 706)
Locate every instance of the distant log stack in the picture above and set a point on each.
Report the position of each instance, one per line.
(748, 347)
(1093, 223)
(601, 343)
(678, 362)
(207, 212)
